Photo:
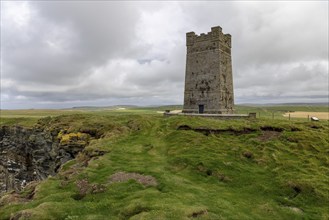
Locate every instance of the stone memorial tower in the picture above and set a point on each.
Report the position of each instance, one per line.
(208, 77)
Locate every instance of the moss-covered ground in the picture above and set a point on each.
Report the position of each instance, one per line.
(204, 169)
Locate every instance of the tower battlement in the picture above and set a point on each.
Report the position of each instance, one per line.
(208, 78)
(215, 35)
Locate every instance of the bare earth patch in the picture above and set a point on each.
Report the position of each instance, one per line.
(269, 135)
(320, 115)
(142, 179)
(295, 209)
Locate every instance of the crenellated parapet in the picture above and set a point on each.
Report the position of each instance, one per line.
(213, 40)
(227, 40)
(215, 35)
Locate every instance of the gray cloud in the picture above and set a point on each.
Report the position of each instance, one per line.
(59, 54)
(63, 40)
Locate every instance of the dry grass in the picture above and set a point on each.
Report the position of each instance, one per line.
(320, 115)
(172, 111)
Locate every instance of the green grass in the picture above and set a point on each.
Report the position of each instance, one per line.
(199, 176)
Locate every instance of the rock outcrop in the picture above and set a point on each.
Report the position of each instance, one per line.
(29, 154)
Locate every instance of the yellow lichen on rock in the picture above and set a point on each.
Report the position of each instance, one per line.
(72, 137)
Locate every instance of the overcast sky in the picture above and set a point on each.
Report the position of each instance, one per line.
(57, 54)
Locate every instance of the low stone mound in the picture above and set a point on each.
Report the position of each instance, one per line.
(145, 180)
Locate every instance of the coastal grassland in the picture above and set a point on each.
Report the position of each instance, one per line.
(204, 169)
(28, 117)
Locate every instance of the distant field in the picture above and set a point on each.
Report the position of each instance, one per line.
(29, 116)
(320, 115)
(35, 113)
(278, 112)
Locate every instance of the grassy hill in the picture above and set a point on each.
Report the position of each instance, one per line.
(146, 166)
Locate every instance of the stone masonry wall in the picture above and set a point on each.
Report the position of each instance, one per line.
(208, 79)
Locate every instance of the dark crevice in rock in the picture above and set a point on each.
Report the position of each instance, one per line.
(57, 168)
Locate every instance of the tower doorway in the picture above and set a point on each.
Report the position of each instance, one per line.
(201, 109)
